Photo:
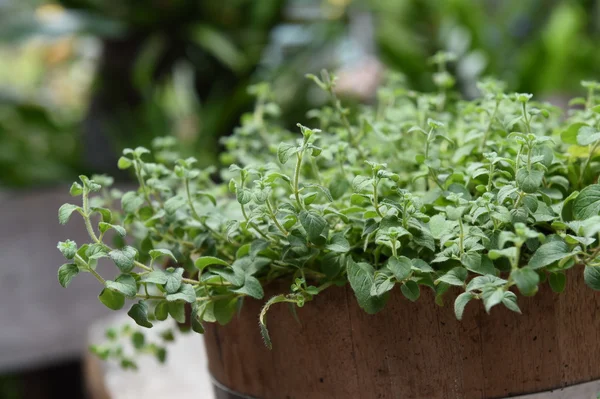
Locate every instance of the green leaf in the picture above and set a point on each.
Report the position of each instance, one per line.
(587, 135)
(482, 282)
(548, 253)
(124, 258)
(105, 213)
(139, 313)
(361, 278)
(177, 311)
(175, 203)
(65, 211)
(381, 284)
(161, 311)
(104, 227)
(244, 196)
(155, 277)
(361, 183)
(224, 309)
(204, 261)
(131, 202)
(529, 180)
(251, 287)
(285, 151)
(185, 293)
(138, 340)
(569, 136)
(124, 284)
(456, 277)
(339, 243)
(587, 203)
(411, 290)
(66, 273)
(422, 266)
(491, 297)
(591, 275)
(235, 277)
(510, 301)
(339, 186)
(68, 248)
(461, 302)
(557, 281)
(400, 266)
(313, 223)
(124, 163)
(111, 299)
(527, 280)
(76, 189)
(158, 252)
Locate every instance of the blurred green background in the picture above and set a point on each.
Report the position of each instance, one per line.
(81, 79)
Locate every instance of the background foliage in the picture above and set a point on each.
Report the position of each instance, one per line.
(90, 77)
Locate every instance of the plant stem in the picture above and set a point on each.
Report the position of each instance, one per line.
(224, 296)
(587, 162)
(338, 107)
(297, 178)
(254, 226)
(195, 214)
(375, 199)
(489, 126)
(461, 239)
(527, 122)
(143, 186)
(86, 216)
(274, 217)
(490, 180)
(82, 263)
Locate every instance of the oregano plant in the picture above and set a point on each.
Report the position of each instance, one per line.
(421, 191)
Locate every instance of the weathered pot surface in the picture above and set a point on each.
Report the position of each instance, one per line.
(410, 350)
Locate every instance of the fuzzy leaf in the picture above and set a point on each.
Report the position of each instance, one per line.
(591, 275)
(185, 293)
(205, 261)
(158, 252)
(285, 151)
(339, 244)
(65, 211)
(313, 223)
(527, 280)
(400, 266)
(587, 203)
(456, 276)
(66, 273)
(251, 287)
(460, 303)
(529, 180)
(124, 258)
(549, 253)
(139, 313)
(361, 278)
(124, 284)
(111, 299)
(411, 290)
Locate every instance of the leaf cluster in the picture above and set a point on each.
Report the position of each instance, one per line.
(422, 191)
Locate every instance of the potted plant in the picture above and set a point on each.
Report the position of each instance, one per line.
(377, 217)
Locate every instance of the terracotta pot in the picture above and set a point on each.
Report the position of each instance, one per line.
(410, 350)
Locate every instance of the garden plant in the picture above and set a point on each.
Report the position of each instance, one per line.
(493, 196)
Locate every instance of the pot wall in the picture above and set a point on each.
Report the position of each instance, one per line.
(410, 350)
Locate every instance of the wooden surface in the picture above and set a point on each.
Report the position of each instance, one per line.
(410, 350)
(41, 322)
